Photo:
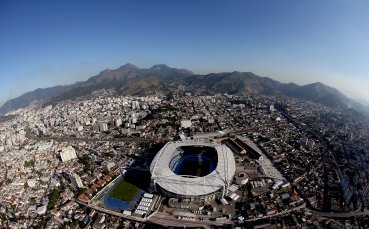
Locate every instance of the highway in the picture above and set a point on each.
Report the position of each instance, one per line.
(165, 219)
(156, 218)
(340, 215)
(67, 138)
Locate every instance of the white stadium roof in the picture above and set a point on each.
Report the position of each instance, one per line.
(222, 175)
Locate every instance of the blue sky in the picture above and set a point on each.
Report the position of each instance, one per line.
(46, 43)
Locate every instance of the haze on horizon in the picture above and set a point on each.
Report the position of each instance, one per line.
(48, 43)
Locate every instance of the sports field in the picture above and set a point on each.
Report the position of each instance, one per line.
(124, 191)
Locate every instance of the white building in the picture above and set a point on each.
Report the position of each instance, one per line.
(109, 165)
(272, 108)
(118, 122)
(41, 210)
(76, 180)
(68, 153)
(79, 128)
(31, 183)
(186, 123)
(103, 126)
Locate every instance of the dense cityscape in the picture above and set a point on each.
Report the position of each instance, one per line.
(184, 114)
(85, 163)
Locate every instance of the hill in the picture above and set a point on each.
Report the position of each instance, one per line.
(29, 97)
(131, 80)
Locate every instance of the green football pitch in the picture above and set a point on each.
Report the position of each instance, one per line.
(124, 191)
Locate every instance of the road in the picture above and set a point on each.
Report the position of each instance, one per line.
(340, 215)
(67, 138)
(165, 219)
(157, 218)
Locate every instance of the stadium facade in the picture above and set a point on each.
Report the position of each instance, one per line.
(170, 179)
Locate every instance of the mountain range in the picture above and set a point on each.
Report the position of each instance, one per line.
(131, 80)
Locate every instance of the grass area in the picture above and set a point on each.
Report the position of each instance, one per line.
(124, 191)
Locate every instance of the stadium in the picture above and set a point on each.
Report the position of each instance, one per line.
(193, 169)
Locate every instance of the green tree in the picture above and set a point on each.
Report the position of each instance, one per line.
(32, 200)
(53, 198)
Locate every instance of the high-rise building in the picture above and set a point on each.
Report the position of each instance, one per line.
(365, 195)
(304, 141)
(346, 188)
(103, 126)
(271, 108)
(95, 127)
(76, 180)
(118, 122)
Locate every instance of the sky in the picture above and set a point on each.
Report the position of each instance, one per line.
(48, 43)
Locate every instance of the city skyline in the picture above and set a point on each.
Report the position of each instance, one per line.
(194, 114)
(51, 43)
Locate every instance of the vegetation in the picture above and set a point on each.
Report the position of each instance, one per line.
(74, 224)
(85, 161)
(53, 197)
(118, 136)
(124, 191)
(80, 191)
(238, 101)
(107, 154)
(149, 116)
(30, 163)
(167, 108)
(32, 200)
(144, 145)
(41, 224)
(171, 122)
